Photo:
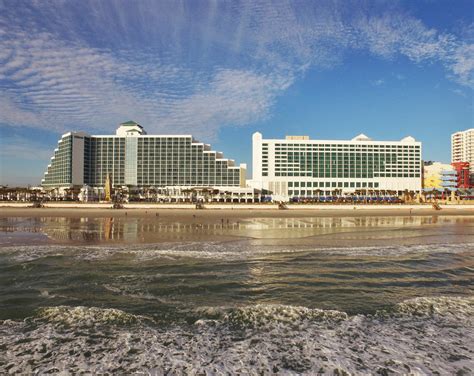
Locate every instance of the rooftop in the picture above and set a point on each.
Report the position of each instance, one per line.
(131, 123)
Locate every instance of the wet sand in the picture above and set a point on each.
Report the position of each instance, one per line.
(215, 216)
(289, 228)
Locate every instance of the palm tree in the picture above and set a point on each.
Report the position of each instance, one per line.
(434, 193)
(186, 192)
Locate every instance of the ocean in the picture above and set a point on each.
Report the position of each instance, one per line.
(386, 295)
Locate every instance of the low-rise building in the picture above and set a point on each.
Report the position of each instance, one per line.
(440, 176)
(463, 174)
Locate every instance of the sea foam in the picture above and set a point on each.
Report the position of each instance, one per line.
(418, 336)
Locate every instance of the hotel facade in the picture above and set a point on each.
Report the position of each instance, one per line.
(462, 146)
(299, 167)
(462, 150)
(134, 159)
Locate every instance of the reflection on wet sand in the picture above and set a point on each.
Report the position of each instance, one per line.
(130, 230)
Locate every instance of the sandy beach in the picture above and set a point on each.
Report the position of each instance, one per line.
(215, 214)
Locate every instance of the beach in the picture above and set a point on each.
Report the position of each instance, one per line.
(216, 212)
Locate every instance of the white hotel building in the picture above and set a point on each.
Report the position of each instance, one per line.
(462, 147)
(133, 158)
(299, 167)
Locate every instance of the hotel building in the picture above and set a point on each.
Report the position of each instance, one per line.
(134, 159)
(462, 149)
(299, 167)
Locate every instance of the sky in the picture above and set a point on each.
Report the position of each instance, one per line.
(221, 70)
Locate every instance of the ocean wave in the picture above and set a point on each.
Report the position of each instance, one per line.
(268, 314)
(87, 316)
(261, 339)
(234, 250)
(429, 306)
(131, 292)
(263, 314)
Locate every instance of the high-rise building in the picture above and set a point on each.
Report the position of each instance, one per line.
(462, 146)
(299, 167)
(133, 158)
(462, 149)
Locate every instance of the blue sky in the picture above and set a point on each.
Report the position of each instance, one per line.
(221, 70)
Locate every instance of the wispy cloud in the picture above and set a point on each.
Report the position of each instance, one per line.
(22, 148)
(459, 92)
(57, 86)
(22, 160)
(378, 82)
(153, 62)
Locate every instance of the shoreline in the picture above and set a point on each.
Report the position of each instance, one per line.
(215, 211)
(314, 228)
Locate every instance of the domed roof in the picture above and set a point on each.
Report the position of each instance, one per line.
(130, 123)
(361, 137)
(408, 139)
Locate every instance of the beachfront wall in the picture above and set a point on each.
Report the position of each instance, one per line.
(300, 167)
(133, 158)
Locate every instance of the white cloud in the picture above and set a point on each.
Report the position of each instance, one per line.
(459, 92)
(59, 87)
(233, 98)
(462, 64)
(13, 113)
(248, 55)
(378, 82)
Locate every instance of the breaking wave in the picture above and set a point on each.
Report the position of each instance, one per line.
(86, 316)
(442, 305)
(261, 315)
(424, 336)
